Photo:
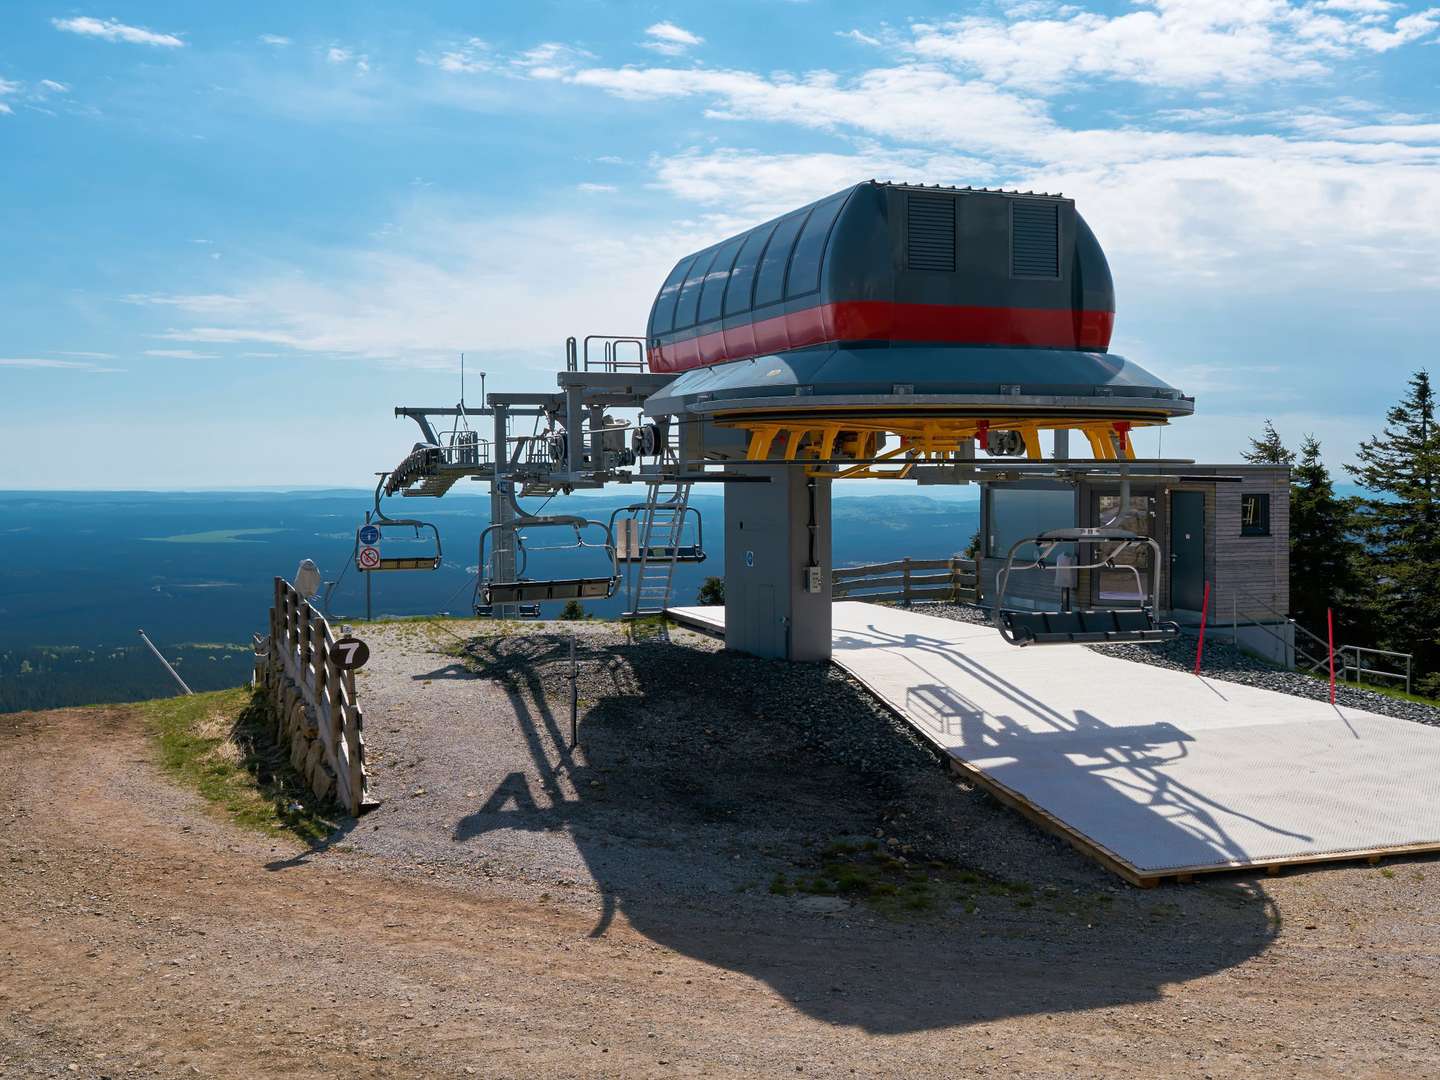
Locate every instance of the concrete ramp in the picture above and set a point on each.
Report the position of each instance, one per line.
(1156, 773)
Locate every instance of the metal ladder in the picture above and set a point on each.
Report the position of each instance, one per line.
(652, 580)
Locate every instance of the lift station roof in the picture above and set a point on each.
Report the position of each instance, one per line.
(948, 291)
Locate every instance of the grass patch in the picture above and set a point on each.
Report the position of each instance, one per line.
(901, 886)
(221, 745)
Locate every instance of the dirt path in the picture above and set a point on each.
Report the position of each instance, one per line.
(140, 935)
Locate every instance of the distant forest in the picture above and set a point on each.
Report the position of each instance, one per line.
(82, 571)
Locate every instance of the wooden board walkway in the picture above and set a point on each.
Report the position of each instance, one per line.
(1155, 773)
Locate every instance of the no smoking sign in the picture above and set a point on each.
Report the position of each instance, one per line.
(368, 558)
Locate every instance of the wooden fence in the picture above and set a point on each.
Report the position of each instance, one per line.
(312, 698)
(907, 581)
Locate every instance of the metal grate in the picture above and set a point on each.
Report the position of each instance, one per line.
(1035, 238)
(930, 232)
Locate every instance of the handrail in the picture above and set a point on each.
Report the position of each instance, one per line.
(1360, 668)
(1313, 662)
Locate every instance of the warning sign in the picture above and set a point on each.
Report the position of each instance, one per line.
(368, 558)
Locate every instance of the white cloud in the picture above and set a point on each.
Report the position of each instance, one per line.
(446, 282)
(342, 56)
(278, 40)
(474, 56)
(7, 89)
(53, 87)
(595, 187)
(1169, 43)
(670, 40)
(1322, 197)
(859, 37)
(196, 303)
(745, 185)
(1362, 7)
(181, 354)
(112, 30)
(549, 60)
(35, 363)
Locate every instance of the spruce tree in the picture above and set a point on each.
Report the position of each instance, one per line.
(1323, 554)
(1269, 449)
(1400, 525)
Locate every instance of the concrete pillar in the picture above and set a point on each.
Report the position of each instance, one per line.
(769, 547)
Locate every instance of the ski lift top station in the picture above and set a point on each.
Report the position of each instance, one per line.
(945, 336)
(941, 335)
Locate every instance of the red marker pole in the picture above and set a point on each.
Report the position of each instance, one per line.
(1204, 614)
(1330, 626)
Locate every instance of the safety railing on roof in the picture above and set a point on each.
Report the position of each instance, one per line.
(606, 352)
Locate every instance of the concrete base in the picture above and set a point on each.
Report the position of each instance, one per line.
(773, 533)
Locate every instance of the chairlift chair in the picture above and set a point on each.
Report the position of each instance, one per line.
(428, 560)
(532, 591)
(1087, 626)
(627, 525)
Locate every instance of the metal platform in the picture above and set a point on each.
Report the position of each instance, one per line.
(1153, 772)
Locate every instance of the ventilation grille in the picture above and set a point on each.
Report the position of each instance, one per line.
(1035, 238)
(930, 232)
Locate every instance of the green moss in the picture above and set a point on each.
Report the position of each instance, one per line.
(901, 887)
(220, 745)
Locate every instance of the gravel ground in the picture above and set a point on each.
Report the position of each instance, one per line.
(1225, 662)
(699, 772)
(144, 936)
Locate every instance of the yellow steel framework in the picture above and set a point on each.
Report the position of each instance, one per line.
(829, 442)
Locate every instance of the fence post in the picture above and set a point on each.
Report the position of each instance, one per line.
(905, 569)
(1330, 628)
(1204, 614)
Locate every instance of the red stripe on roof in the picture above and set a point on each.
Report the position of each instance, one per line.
(880, 320)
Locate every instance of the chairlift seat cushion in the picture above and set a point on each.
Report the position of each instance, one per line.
(1102, 626)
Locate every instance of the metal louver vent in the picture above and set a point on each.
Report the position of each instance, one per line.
(1035, 238)
(930, 232)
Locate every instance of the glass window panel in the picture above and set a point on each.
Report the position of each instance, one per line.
(713, 291)
(1016, 513)
(805, 263)
(690, 292)
(742, 278)
(664, 317)
(1255, 515)
(1123, 585)
(770, 282)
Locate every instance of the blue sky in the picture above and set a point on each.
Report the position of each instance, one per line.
(236, 235)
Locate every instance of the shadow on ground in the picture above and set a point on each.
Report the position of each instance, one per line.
(705, 780)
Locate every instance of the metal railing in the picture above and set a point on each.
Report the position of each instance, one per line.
(1293, 652)
(908, 580)
(1351, 666)
(606, 352)
(1352, 659)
